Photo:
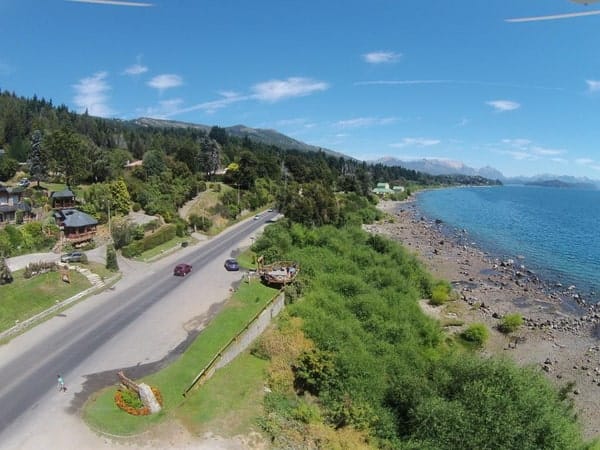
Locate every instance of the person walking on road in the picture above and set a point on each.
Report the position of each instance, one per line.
(61, 383)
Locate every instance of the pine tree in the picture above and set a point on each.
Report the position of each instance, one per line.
(37, 158)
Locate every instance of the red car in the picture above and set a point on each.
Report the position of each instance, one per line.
(181, 270)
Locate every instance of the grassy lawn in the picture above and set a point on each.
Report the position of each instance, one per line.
(24, 298)
(229, 403)
(102, 414)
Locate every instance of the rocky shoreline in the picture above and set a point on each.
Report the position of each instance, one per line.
(561, 330)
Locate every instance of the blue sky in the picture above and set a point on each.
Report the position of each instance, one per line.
(369, 78)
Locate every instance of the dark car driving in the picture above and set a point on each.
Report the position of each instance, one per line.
(181, 270)
(232, 265)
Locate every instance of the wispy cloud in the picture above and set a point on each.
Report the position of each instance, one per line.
(415, 142)
(135, 69)
(464, 82)
(165, 81)
(163, 110)
(276, 90)
(381, 57)
(91, 95)
(113, 3)
(503, 105)
(463, 122)
(593, 85)
(524, 149)
(271, 91)
(588, 162)
(365, 122)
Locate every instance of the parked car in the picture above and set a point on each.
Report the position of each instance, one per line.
(181, 270)
(24, 182)
(256, 217)
(73, 257)
(232, 265)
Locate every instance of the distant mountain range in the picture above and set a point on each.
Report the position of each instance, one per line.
(449, 167)
(260, 135)
(429, 166)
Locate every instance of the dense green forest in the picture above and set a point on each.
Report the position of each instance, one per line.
(356, 364)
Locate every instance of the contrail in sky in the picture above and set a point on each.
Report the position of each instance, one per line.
(113, 2)
(554, 17)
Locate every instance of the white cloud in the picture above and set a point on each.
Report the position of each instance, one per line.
(164, 108)
(524, 149)
(593, 85)
(584, 161)
(275, 90)
(113, 2)
(135, 69)
(381, 57)
(463, 122)
(519, 142)
(91, 95)
(165, 81)
(365, 122)
(503, 105)
(545, 151)
(415, 142)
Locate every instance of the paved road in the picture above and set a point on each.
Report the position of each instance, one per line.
(149, 312)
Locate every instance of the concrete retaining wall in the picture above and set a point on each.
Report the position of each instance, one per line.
(242, 341)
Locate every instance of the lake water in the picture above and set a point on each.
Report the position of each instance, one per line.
(556, 231)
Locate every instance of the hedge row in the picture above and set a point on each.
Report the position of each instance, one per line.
(160, 236)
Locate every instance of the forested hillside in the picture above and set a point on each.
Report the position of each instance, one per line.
(85, 149)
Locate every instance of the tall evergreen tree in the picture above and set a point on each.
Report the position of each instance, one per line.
(38, 159)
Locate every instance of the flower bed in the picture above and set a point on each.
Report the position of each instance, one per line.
(130, 402)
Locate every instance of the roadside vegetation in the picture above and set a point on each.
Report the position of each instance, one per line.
(382, 372)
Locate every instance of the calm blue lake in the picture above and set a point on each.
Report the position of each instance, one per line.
(557, 231)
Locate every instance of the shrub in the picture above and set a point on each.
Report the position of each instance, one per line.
(38, 268)
(440, 293)
(476, 333)
(162, 235)
(111, 259)
(5, 273)
(510, 323)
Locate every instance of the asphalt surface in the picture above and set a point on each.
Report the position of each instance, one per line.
(103, 333)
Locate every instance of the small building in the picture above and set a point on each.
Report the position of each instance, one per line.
(12, 205)
(383, 188)
(63, 199)
(76, 226)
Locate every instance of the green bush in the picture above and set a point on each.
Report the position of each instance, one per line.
(476, 333)
(111, 259)
(510, 323)
(440, 293)
(160, 236)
